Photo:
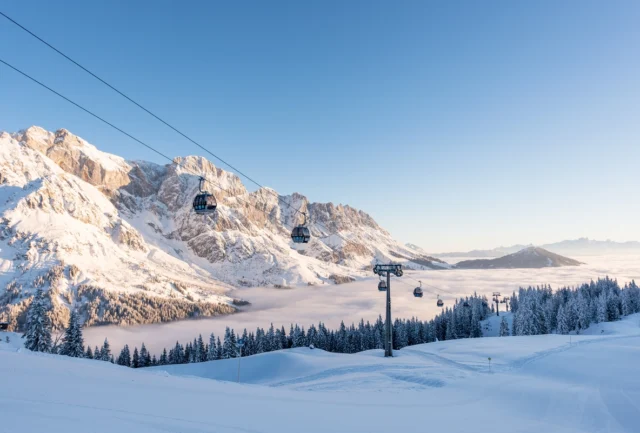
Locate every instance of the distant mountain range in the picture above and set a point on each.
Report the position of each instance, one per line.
(574, 247)
(529, 257)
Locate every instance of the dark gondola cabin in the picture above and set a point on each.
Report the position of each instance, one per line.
(300, 235)
(417, 292)
(440, 303)
(204, 203)
(382, 286)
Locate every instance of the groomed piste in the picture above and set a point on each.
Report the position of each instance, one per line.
(546, 383)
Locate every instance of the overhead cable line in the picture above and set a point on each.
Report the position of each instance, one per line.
(91, 113)
(178, 131)
(262, 188)
(148, 111)
(172, 160)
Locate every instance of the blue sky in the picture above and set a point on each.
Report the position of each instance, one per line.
(456, 125)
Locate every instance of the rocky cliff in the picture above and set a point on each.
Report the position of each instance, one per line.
(118, 239)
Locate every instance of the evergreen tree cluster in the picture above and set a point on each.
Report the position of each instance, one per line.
(540, 310)
(536, 311)
(462, 320)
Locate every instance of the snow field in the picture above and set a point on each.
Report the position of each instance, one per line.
(538, 383)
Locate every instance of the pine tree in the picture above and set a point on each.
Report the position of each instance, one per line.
(164, 360)
(219, 350)
(105, 352)
(228, 346)
(201, 352)
(283, 339)
(271, 344)
(38, 333)
(72, 342)
(96, 354)
(125, 356)
(601, 308)
(584, 311)
(211, 353)
(504, 327)
(145, 360)
(88, 354)
(563, 321)
(135, 360)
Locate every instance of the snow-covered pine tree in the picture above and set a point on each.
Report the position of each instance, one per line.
(105, 352)
(89, 353)
(601, 308)
(72, 341)
(135, 359)
(312, 336)
(504, 327)
(284, 342)
(125, 356)
(513, 302)
(322, 342)
(187, 354)
(245, 339)
(219, 350)
(201, 352)
(228, 346)
(163, 358)
(38, 327)
(271, 343)
(211, 353)
(583, 310)
(563, 321)
(143, 356)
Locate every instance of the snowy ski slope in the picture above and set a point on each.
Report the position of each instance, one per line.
(535, 384)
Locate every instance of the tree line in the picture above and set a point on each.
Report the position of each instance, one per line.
(536, 310)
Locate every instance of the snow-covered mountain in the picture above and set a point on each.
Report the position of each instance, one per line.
(572, 247)
(118, 239)
(530, 257)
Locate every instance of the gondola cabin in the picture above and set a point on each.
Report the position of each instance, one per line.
(417, 292)
(204, 203)
(382, 286)
(300, 235)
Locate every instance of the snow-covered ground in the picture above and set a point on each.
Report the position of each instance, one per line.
(535, 384)
(350, 302)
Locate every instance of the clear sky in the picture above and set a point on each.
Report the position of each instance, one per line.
(455, 124)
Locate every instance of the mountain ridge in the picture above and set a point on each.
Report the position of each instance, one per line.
(529, 257)
(580, 246)
(115, 237)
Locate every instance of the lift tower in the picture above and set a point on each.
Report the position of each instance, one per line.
(496, 299)
(387, 270)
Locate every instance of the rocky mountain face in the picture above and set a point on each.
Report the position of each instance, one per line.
(530, 257)
(118, 239)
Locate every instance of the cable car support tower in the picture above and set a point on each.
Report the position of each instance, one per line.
(387, 270)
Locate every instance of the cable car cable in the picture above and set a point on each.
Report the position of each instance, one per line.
(328, 232)
(145, 109)
(217, 185)
(262, 188)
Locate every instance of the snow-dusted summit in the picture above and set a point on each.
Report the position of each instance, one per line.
(118, 239)
(530, 257)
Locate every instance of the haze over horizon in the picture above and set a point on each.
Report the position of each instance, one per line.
(521, 127)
